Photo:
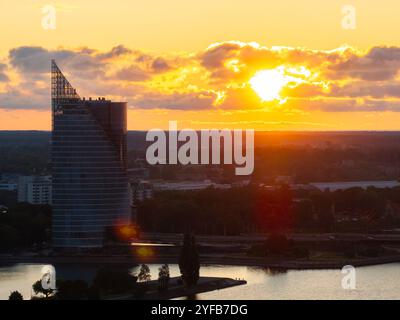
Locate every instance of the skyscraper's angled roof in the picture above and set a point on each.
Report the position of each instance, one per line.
(61, 89)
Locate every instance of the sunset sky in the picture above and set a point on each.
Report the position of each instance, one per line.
(267, 65)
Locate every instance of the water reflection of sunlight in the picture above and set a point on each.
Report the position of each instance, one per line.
(147, 244)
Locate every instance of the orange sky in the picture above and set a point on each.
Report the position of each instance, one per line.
(285, 65)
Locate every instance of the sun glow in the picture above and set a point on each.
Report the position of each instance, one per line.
(268, 84)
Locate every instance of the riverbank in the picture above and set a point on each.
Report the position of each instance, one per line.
(234, 260)
(177, 290)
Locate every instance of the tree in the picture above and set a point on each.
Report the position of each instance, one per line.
(72, 290)
(9, 237)
(93, 293)
(189, 264)
(277, 243)
(109, 280)
(163, 277)
(144, 273)
(38, 288)
(15, 295)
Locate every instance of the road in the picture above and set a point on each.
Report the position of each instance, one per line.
(251, 238)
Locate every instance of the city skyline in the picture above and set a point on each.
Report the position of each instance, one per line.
(206, 150)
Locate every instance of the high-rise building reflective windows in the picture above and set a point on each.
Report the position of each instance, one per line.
(90, 182)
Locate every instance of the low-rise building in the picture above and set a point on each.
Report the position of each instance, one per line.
(138, 173)
(333, 186)
(9, 181)
(7, 186)
(34, 189)
(188, 185)
(141, 190)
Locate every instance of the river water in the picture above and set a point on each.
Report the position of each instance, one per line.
(373, 282)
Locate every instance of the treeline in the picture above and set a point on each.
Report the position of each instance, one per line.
(309, 164)
(24, 152)
(306, 157)
(252, 209)
(25, 225)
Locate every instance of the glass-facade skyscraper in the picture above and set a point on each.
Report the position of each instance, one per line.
(90, 182)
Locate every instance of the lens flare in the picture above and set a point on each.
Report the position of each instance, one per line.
(127, 232)
(144, 252)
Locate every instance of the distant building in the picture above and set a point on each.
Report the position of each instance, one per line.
(9, 177)
(6, 186)
(392, 210)
(9, 181)
(141, 190)
(284, 180)
(188, 185)
(390, 170)
(34, 189)
(91, 192)
(138, 173)
(242, 183)
(333, 186)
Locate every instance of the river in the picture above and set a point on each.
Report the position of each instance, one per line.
(372, 282)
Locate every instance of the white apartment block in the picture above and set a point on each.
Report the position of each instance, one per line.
(34, 189)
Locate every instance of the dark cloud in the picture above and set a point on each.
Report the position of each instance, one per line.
(16, 99)
(215, 56)
(132, 73)
(175, 101)
(3, 75)
(348, 105)
(384, 53)
(379, 64)
(143, 68)
(115, 52)
(361, 89)
(81, 63)
(160, 65)
(365, 69)
(36, 59)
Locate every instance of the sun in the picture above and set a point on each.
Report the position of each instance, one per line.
(268, 84)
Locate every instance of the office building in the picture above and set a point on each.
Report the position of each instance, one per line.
(90, 183)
